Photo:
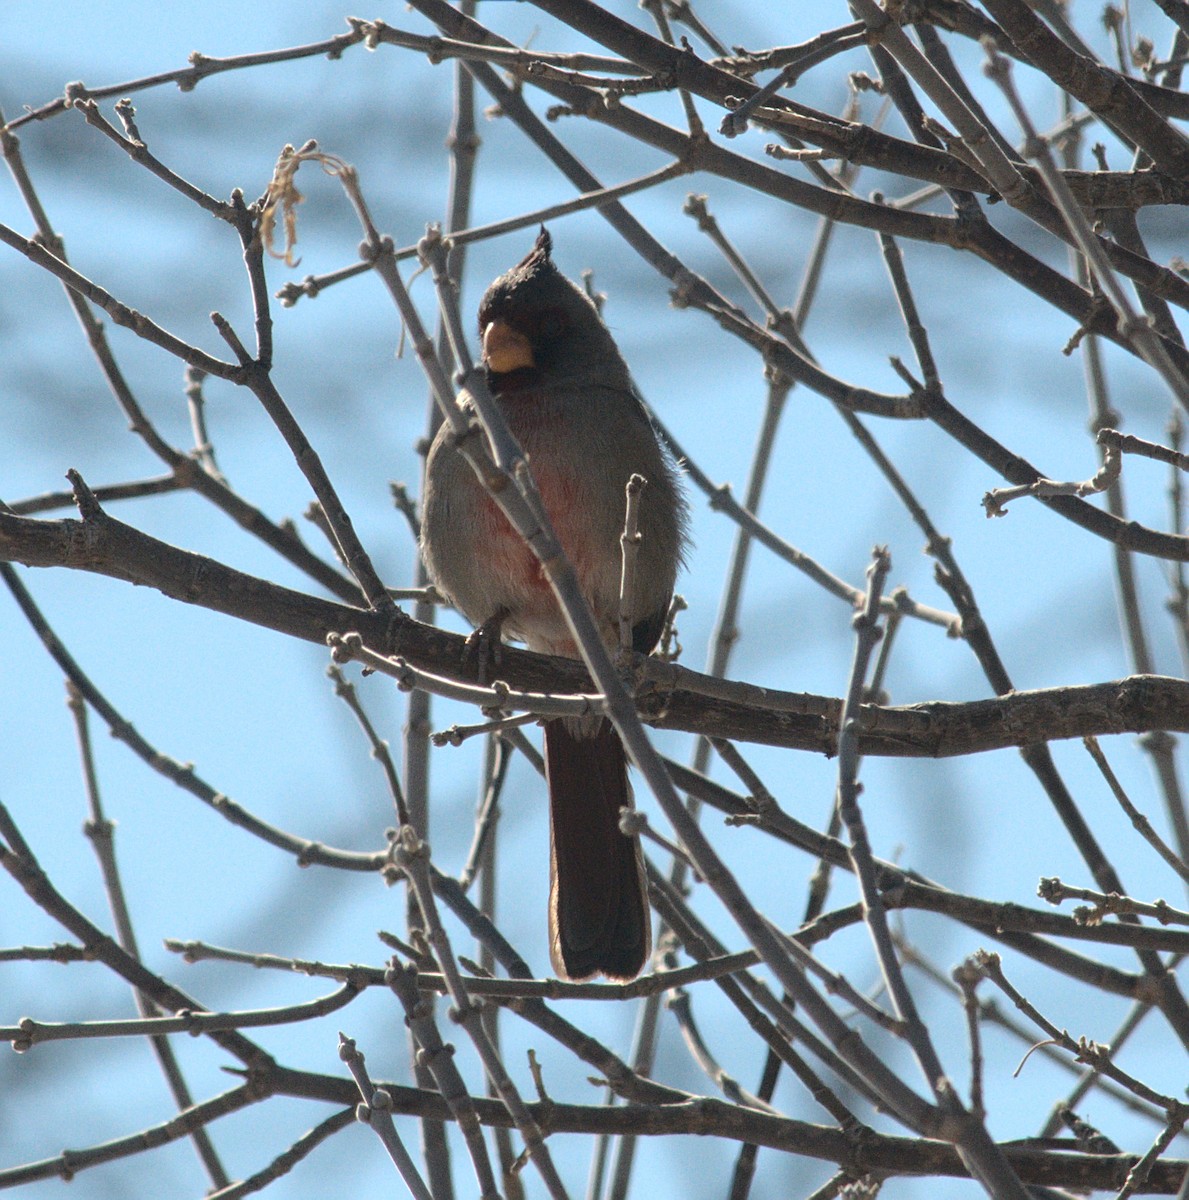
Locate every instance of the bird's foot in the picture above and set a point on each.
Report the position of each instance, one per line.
(483, 645)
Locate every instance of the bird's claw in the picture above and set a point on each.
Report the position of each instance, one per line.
(484, 645)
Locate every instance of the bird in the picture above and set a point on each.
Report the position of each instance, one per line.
(555, 372)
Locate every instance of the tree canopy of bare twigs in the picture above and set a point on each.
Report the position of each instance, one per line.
(892, 277)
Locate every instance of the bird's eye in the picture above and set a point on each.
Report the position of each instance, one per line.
(550, 325)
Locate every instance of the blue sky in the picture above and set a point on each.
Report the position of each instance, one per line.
(255, 713)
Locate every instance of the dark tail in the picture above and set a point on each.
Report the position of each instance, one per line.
(598, 899)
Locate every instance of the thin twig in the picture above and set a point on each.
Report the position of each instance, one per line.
(1141, 823)
(1134, 327)
(376, 1112)
(629, 542)
(101, 833)
(412, 858)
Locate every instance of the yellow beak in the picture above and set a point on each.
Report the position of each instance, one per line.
(504, 349)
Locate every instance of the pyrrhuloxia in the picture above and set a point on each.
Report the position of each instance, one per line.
(568, 397)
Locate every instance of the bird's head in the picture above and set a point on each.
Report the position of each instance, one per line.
(538, 327)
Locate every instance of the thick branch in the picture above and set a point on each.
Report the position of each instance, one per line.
(717, 1118)
(670, 697)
